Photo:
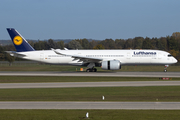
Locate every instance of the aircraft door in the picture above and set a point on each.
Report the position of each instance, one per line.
(41, 56)
(128, 56)
(154, 59)
(159, 56)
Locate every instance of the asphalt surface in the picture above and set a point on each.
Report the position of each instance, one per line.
(88, 84)
(106, 74)
(92, 105)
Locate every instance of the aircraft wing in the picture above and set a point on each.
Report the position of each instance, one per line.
(79, 57)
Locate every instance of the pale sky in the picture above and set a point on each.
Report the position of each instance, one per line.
(91, 19)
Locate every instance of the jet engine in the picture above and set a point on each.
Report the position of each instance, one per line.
(111, 65)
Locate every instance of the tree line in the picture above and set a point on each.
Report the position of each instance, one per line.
(170, 44)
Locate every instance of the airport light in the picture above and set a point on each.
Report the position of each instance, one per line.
(103, 97)
(87, 115)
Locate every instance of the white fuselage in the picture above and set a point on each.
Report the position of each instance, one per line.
(125, 57)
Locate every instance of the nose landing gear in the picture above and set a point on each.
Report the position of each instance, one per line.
(165, 69)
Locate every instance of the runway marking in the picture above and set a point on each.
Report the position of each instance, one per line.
(88, 84)
(92, 105)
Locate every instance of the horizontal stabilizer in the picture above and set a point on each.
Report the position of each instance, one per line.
(14, 53)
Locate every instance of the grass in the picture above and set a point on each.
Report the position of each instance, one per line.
(157, 93)
(44, 67)
(93, 114)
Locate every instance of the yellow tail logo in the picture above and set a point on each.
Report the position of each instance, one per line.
(17, 40)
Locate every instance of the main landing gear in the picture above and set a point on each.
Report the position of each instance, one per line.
(91, 70)
(165, 69)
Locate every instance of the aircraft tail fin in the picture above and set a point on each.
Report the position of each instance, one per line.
(19, 42)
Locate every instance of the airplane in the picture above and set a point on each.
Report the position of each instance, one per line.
(106, 59)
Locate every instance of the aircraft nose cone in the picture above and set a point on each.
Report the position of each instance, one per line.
(175, 60)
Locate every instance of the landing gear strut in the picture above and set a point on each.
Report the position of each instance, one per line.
(91, 70)
(165, 69)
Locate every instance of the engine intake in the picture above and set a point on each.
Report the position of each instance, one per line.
(111, 65)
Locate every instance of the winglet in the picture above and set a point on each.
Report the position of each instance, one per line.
(52, 49)
(66, 49)
(19, 42)
(57, 52)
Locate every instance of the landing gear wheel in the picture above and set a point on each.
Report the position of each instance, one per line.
(91, 70)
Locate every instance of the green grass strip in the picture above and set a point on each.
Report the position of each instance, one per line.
(38, 79)
(93, 114)
(155, 93)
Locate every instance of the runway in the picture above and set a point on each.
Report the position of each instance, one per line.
(92, 105)
(88, 84)
(97, 74)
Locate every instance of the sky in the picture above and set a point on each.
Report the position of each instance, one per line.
(91, 19)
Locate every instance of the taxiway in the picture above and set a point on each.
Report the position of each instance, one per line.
(88, 84)
(105, 74)
(92, 105)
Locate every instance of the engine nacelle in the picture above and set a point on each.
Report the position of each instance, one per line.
(111, 65)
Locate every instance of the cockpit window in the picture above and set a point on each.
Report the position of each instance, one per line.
(169, 55)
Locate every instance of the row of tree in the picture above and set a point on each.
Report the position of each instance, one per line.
(170, 44)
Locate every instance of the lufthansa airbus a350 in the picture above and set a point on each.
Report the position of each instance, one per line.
(106, 59)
